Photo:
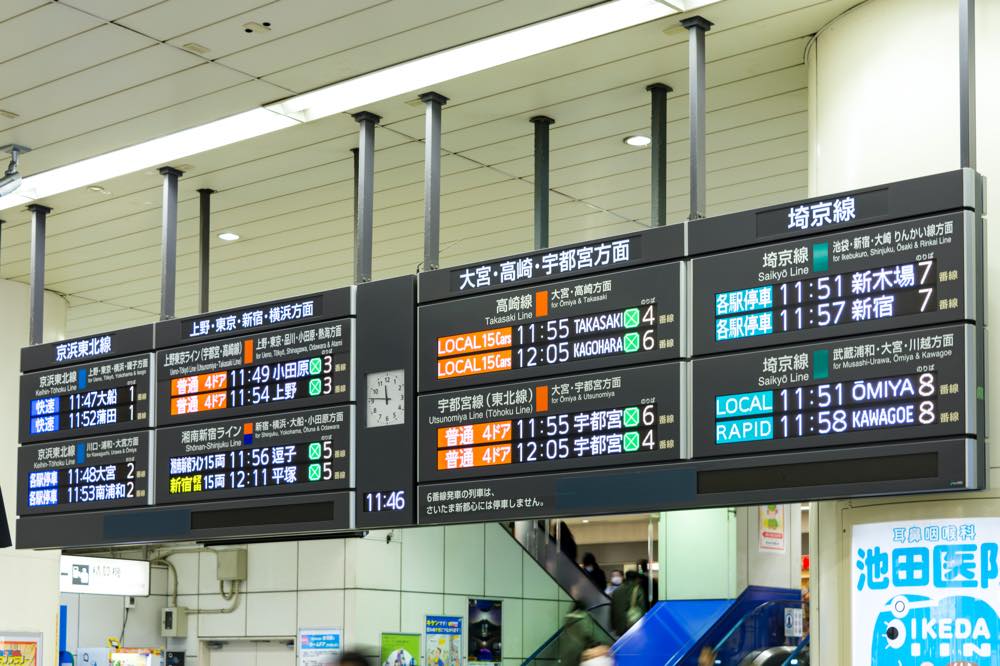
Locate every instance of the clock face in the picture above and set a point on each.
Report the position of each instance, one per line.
(385, 398)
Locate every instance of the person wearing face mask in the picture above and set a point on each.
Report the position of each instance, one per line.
(614, 581)
(594, 572)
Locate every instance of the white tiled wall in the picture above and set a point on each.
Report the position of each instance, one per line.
(387, 581)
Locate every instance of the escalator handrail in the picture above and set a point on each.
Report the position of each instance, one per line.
(718, 646)
(554, 637)
(803, 644)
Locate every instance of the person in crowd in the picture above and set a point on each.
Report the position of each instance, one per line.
(616, 579)
(594, 572)
(628, 604)
(706, 657)
(579, 633)
(352, 659)
(599, 655)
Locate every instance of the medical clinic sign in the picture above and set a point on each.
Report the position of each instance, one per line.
(926, 592)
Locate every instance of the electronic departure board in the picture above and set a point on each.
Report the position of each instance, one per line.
(912, 384)
(103, 396)
(884, 277)
(606, 419)
(305, 366)
(619, 318)
(110, 471)
(824, 348)
(278, 454)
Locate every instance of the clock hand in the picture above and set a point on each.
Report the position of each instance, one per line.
(386, 389)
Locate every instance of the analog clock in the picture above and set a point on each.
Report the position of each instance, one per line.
(385, 398)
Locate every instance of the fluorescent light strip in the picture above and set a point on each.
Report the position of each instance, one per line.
(431, 70)
(354, 93)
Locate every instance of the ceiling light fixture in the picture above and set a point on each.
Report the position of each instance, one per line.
(638, 140)
(358, 92)
(141, 156)
(229, 236)
(501, 49)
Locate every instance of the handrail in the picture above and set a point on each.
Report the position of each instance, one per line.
(559, 632)
(793, 658)
(743, 619)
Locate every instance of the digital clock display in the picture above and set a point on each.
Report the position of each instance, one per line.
(870, 389)
(876, 278)
(600, 419)
(100, 397)
(628, 317)
(279, 454)
(68, 476)
(284, 369)
(377, 501)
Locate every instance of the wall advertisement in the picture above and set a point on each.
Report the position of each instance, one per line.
(926, 592)
(400, 649)
(20, 649)
(771, 528)
(485, 631)
(319, 647)
(443, 640)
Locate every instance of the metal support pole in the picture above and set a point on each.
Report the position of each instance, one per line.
(354, 154)
(658, 154)
(366, 194)
(697, 27)
(168, 244)
(649, 558)
(204, 234)
(432, 179)
(36, 301)
(967, 81)
(542, 180)
(2, 222)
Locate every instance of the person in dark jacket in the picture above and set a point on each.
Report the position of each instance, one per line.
(580, 632)
(628, 604)
(594, 572)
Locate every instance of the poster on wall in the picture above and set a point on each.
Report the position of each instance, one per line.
(926, 592)
(443, 640)
(485, 631)
(20, 649)
(772, 528)
(400, 649)
(319, 647)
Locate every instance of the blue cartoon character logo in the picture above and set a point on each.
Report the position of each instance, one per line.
(955, 631)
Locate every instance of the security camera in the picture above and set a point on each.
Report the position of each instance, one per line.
(11, 179)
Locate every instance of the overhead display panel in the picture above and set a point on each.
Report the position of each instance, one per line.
(891, 276)
(278, 454)
(88, 348)
(916, 197)
(619, 318)
(305, 366)
(912, 384)
(103, 396)
(284, 313)
(643, 247)
(111, 471)
(606, 419)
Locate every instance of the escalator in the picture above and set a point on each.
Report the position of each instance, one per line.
(543, 547)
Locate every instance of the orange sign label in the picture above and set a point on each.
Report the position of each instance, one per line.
(475, 364)
(476, 433)
(211, 381)
(480, 456)
(192, 404)
(477, 341)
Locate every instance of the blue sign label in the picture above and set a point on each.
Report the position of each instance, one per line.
(744, 430)
(744, 404)
(914, 629)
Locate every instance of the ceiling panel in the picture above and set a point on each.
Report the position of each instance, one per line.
(40, 27)
(169, 19)
(291, 20)
(65, 57)
(334, 37)
(397, 45)
(111, 10)
(73, 91)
